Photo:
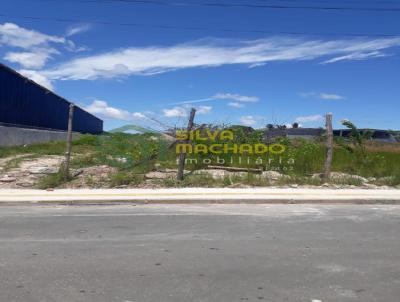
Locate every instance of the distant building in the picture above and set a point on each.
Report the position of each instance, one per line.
(292, 133)
(314, 133)
(377, 135)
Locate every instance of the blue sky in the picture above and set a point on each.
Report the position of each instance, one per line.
(236, 65)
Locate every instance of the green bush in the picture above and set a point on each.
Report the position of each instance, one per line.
(124, 178)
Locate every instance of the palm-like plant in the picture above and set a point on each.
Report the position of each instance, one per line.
(357, 138)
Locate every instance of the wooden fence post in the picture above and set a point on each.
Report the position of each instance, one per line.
(329, 147)
(69, 141)
(182, 155)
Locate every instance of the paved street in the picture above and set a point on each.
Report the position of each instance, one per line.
(182, 253)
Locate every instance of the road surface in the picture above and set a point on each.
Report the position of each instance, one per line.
(185, 253)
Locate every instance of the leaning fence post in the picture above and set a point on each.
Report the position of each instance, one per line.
(69, 141)
(329, 147)
(182, 155)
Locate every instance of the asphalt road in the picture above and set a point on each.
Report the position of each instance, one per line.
(182, 253)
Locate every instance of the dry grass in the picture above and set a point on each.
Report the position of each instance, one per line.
(382, 147)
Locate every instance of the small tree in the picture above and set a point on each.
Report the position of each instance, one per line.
(357, 141)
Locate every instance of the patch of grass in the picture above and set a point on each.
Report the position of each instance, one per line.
(85, 160)
(346, 180)
(16, 162)
(393, 180)
(53, 180)
(87, 140)
(53, 148)
(191, 180)
(201, 180)
(207, 181)
(82, 145)
(250, 179)
(298, 180)
(125, 178)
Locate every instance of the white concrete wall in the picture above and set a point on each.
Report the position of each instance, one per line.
(14, 136)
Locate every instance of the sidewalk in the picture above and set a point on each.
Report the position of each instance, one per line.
(199, 195)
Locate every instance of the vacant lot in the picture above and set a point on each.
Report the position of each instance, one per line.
(146, 160)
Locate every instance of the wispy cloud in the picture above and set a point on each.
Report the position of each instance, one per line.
(257, 65)
(35, 59)
(357, 57)
(235, 104)
(36, 46)
(138, 115)
(322, 95)
(309, 118)
(193, 101)
(101, 108)
(248, 120)
(236, 97)
(77, 29)
(183, 111)
(15, 36)
(37, 77)
(330, 96)
(32, 49)
(204, 109)
(211, 53)
(175, 112)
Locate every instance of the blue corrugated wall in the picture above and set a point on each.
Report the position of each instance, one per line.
(24, 103)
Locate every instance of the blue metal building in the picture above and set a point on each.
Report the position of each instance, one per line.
(26, 104)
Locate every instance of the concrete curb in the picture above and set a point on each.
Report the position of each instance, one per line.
(199, 196)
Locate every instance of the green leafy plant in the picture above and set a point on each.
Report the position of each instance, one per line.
(357, 138)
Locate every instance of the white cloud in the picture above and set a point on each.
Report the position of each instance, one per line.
(322, 95)
(248, 120)
(36, 45)
(236, 97)
(356, 56)
(203, 109)
(34, 59)
(38, 78)
(330, 96)
(78, 28)
(182, 111)
(209, 53)
(175, 112)
(309, 118)
(101, 108)
(224, 96)
(138, 115)
(236, 105)
(38, 48)
(15, 36)
(257, 65)
(193, 101)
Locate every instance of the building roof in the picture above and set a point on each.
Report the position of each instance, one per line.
(305, 131)
(25, 103)
(47, 91)
(271, 133)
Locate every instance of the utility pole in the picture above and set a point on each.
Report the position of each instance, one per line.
(69, 141)
(329, 147)
(182, 155)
